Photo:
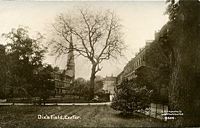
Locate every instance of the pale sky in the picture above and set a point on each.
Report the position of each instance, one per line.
(140, 20)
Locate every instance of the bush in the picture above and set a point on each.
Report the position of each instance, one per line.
(129, 98)
(103, 96)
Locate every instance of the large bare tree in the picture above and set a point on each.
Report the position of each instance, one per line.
(95, 35)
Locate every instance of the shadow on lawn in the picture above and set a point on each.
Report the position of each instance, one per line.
(129, 115)
(141, 117)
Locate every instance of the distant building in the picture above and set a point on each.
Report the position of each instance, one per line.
(98, 87)
(109, 85)
(62, 82)
(141, 65)
(119, 78)
(136, 63)
(64, 78)
(98, 78)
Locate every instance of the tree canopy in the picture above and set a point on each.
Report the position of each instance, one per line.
(24, 55)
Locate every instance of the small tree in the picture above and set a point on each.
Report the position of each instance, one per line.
(129, 98)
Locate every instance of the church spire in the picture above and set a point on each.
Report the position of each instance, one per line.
(70, 71)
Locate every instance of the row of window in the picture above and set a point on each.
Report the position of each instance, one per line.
(135, 64)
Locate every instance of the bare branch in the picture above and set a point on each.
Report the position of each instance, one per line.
(96, 36)
(89, 32)
(98, 69)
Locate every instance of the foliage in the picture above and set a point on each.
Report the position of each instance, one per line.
(44, 85)
(103, 96)
(3, 71)
(183, 38)
(129, 98)
(158, 57)
(98, 86)
(80, 88)
(24, 55)
(172, 9)
(145, 77)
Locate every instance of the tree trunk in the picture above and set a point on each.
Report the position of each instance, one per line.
(92, 78)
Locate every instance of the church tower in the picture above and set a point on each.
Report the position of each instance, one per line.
(70, 71)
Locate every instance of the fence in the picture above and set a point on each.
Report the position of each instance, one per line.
(55, 104)
(156, 111)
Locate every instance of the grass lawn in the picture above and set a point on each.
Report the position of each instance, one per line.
(90, 116)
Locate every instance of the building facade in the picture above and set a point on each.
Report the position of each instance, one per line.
(109, 83)
(145, 69)
(62, 82)
(136, 63)
(64, 78)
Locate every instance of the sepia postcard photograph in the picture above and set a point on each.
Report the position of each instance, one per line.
(92, 63)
